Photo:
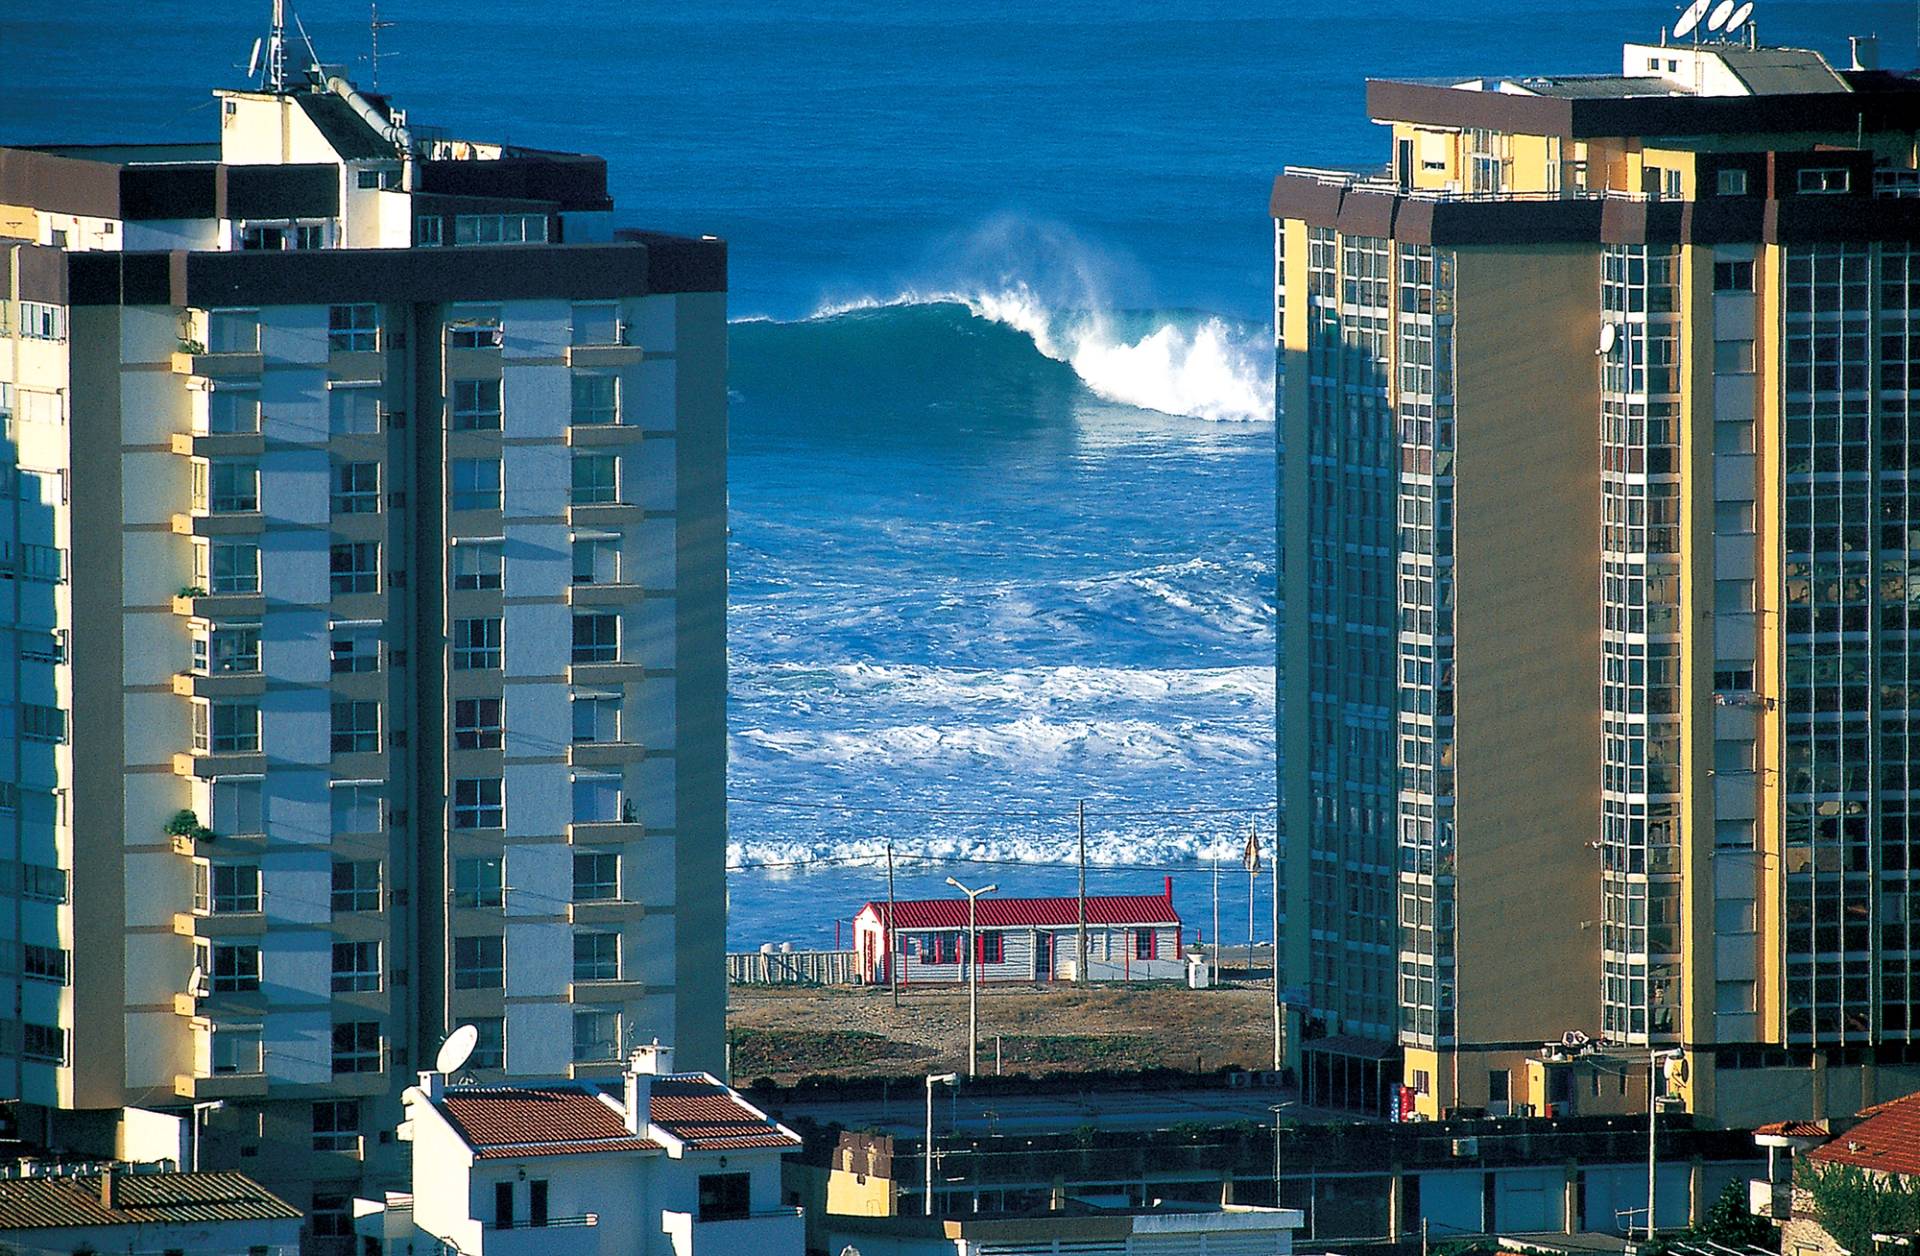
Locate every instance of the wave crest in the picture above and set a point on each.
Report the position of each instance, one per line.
(1199, 367)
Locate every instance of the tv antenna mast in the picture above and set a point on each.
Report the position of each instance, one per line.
(374, 27)
(277, 49)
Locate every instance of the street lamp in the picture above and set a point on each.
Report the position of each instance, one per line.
(933, 1079)
(973, 975)
(1656, 1065)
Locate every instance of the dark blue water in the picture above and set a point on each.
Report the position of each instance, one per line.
(1008, 545)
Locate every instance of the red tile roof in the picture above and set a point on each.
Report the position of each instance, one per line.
(1887, 1139)
(139, 1199)
(1014, 913)
(501, 1122)
(705, 1115)
(1795, 1129)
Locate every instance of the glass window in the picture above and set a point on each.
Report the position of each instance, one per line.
(354, 567)
(596, 800)
(236, 1049)
(476, 405)
(222, 649)
(1731, 518)
(239, 806)
(40, 320)
(356, 807)
(1732, 276)
(479, 803)
(353, 328)
(596, 956)
(226, 727)
(725, 1196)
(353, 409)
(1732, 357)
(479, 963)
(596, 1035)
(596, 717)
(596, 479)
(356, 488)
(597, 323)
(44, 963)
(475, 484)
(474, 326)
(476, 643)
(596, 638)
(596, 560)
(1825, 180)
(233, 409)
(356, 1047)
(42, 723)
(356, 885)
(226, 488)
(354, 648)
(233, 331)
(356, 967)
(479, 882)
(427, 231)
(1730, 182)
(477, 564)
(231, 888)
(336, 1127)
(596, 399)
(477, 724)
(356, 727)
(230, 566)
(43, 1042)
(596, 878)
(490, 1051)
(235, 967)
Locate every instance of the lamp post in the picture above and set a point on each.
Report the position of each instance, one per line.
(933, 1079)
(1656, 1062)
(973, 974)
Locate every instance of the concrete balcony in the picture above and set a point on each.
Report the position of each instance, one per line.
(225, 1086)
(589, 435)
(188, 924)
(224, 685)
(604, 594)
(219, 444)
(220, 605)
(238, 523)
(604, 754)
(558, 1236)
(217, 365)
(206, 766)
(606, 674)
(605, 515)
(772, 1230)
(593, 834)
(605, 911)
(605, 355)
(605, 991)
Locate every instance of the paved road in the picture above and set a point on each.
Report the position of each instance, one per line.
(906, 1112)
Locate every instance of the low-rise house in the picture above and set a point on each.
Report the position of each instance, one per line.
(111, 1208)
(677, 1165)
(1130, 937)
(1853, 1187)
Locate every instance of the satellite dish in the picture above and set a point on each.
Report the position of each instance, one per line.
(253, 60)
(1609, 337)
(1721, 12)
(455, 1050)
(1691, 18)
(1739, 18)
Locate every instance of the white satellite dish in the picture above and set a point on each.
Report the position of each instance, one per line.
(1717, 20)
(1691, 18)
(1739, 18)
(253, 60)
(1609, 337)
(455, 1050)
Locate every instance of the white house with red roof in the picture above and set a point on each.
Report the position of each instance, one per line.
(1883, 1141)
(677, 1165)
(1130, 937)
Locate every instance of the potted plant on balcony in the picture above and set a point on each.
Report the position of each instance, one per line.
(184, 823)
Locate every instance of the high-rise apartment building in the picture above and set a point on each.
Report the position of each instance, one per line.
(1599, 512)
(365, 580)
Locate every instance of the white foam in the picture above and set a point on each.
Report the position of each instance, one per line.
(1033, 688)
(1202, 371)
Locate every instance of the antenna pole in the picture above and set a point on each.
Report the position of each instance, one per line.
(1080, 971)
(375, 26)
(887, 934)
(277, 50)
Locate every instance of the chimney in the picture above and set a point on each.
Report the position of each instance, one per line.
(109, 1186)
(646, 1063)
(433, 1084)
(1169, 892)
(1866, 51)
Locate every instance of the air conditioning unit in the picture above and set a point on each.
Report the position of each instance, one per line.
(1466, 1148)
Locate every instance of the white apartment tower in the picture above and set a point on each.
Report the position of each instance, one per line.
(364, 562)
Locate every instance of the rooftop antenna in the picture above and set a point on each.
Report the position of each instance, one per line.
(277, 50)
(374, 27)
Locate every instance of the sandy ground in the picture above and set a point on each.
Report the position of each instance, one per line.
(785, 1032)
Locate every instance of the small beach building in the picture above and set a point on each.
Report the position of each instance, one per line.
(1130, 937)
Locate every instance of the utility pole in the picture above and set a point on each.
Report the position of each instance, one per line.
(1080, 970)
(1653, 1110)
(933, 1079)
(886, 934)
(1279, 1016)
(973, 975)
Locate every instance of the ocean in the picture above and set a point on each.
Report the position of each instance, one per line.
(1002, 441)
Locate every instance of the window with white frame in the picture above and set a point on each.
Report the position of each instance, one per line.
(474, 484)
(239, 805)
(226, 487)
(353, 408)
(596, 323)
(356, 727)
(596, 479)
(476, 643)
(477, 724)
(479, 963)
(356, 967)
(42, 723)
(596, 637)
(356, 1047)
(221, 649)
(596, 956)
(236, 1050)
(336, 1126)
(596, 877)
(50, 964)
(477, 564)
(479, 881)
(233, 409)
(43, 884)
(356, 806)
(46, 564)
(500, 229)
(596, 799)
(476, 405)
(227, 566)
(1824, 179)
(356, 488)
(596, 559)
(490, 1051)
(226, 889)
(354, 567)
(596, 717)
(354, 647)
(226, 726)
(353, 328)
(46, 1043)
(40, 320)
(596, 1035)
(479, 802)
(596, 399)
(356, 885)
(233, 967)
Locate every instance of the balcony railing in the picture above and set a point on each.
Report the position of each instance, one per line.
(1386, 185)
(551, 1223)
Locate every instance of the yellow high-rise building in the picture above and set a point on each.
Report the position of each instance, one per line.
(1598, 514)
